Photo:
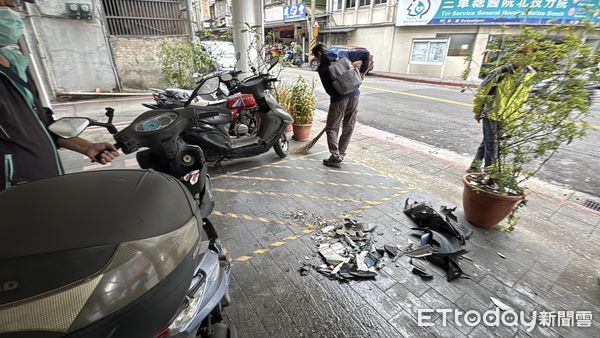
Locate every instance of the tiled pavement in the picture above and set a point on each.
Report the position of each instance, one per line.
(550, 262)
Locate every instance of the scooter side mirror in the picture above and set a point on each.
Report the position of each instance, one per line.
(69, 127)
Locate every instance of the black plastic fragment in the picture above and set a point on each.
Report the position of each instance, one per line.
(304, 270)
(423, 214)
(445, 255)
(420, 271)
(362, 274)
(392, 250)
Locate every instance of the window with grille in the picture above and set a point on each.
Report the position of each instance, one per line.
(145, 17)
(350, 3)
(364, 2)
(378, 2)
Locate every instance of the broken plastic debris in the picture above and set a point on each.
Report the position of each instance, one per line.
(443, 220)
(500, 304)
(363, 274)
(501, 255)
(304, 270)
(337, 268)
(366, 227)
(392, 250)
(331, 253)
(360, 261)
(327, 229)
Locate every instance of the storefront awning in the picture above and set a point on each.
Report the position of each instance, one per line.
(337, 30)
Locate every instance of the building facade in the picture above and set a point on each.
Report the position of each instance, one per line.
(435, 37)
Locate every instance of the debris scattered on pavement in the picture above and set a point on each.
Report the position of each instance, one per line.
(304, 270)
(500, 304)
(286, 269)
(501, 255)
(443, 220)
(420, 271)
(348, 251)
(440, 251)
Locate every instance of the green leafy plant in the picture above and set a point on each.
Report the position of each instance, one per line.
(180, 60)
(299, 99)
(555, 111)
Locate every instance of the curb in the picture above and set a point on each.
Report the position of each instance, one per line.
(440, 82)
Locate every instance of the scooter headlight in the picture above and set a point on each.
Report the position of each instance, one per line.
(135, 268)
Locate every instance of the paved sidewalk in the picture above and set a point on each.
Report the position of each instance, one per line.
(551, 261)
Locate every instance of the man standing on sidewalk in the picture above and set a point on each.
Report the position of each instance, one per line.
(342, 108)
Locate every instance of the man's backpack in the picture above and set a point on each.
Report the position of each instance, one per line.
(346, 77)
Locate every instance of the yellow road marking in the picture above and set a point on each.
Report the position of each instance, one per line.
(261, 251)
(431, 98)
(277, 244)
(321, 170)
(243, 258)
(271, 179)
(291, 238)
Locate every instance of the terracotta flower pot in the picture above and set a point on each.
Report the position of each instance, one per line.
(301, 131)
(486, 209)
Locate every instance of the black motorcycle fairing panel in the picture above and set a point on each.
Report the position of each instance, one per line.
(275, 108)
(223, 117)
(37, 274)
(91, 209)
(271, 127)
(205, 138)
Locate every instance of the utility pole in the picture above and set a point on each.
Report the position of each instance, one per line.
(243, 12)
(313, 38)
(188, 4)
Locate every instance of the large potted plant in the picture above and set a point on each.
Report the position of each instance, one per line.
(553, 115)
(300, 100)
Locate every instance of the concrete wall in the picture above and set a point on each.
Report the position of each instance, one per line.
(136, 60)
(77, 53)
(378, 41)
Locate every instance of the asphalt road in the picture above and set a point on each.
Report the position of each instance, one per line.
(442, 117)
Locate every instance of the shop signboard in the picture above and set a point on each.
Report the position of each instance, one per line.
(294, 12)
(274, 14)
(496, 12)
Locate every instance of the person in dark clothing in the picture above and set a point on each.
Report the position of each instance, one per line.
(342, 108)
(27, 148)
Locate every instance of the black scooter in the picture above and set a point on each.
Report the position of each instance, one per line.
(149, 264)
(212, 134)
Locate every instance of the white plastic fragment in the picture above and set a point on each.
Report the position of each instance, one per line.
(500, 304)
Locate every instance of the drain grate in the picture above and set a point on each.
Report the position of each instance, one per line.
(592, 205)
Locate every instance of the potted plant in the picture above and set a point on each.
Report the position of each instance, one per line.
(300, 101)
(282, 95)
(553, 115)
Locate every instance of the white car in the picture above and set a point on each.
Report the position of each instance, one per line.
(222, 52)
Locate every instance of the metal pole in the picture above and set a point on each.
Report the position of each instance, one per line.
(188, 4)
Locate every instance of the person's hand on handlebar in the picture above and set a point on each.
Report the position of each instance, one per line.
(101, 152)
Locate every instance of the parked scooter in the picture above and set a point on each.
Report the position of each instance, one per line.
(213, 136)
(292, 57)
(148, 265)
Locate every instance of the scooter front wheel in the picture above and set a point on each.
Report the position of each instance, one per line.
(282, 145)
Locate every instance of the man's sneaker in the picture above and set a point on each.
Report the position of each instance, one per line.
(333, 161)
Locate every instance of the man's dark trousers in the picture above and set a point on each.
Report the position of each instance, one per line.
(341, 113)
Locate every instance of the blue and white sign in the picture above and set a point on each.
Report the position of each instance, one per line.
(495, 12)
(294, 12)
